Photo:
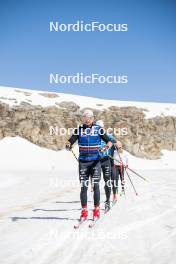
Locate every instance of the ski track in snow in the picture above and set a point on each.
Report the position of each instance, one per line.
(37, 219)
(44, 233)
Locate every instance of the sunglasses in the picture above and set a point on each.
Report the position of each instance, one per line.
(87, 118)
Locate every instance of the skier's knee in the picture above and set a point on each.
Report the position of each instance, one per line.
(84, 183)
(108, 182)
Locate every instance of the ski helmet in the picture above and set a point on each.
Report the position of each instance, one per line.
(100, 123)
(88, 114)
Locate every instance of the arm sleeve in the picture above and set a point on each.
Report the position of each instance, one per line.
(104, 136)
(113, 140)
(74, 137)
(115, 146)
(126, 160)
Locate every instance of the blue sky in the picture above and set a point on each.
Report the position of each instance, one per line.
(146, 53)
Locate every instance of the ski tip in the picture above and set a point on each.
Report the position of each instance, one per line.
(91, 225)
(76, 226)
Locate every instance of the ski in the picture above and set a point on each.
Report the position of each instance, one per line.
(94, 221)
(101, 218)
(114, 202)
(81, 221)
(122, 193)
(107, 210)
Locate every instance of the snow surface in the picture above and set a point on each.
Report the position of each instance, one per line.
(20, 154)
(37, 212)
(14, 96)
(39, 194)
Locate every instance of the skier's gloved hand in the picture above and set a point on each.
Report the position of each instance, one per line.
(68, 146)
(121, 164)
(104, 149)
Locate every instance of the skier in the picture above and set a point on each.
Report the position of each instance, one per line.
(106, 166)
(114, 175)
(120, 162)
(89, 137)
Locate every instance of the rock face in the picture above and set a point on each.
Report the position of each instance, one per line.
(145, 137)
(141, 137)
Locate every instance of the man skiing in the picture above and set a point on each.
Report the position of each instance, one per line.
(120, 161)
(106, 166)
(89, 137)
(113, 169)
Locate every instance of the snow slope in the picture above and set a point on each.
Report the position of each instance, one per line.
(37, 214)
(14, 96)
(39, 194)
(19, 154)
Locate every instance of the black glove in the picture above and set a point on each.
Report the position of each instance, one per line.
(68, 146)
(104, 149)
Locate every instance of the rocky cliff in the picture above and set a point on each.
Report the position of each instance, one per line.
(144, 138)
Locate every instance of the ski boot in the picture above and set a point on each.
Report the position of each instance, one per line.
(107, 206)
(114, 198)
(84, 213)
(123, 191)
(96, 213)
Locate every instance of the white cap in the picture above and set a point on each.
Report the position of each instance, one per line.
(88, 113)
(100, 123)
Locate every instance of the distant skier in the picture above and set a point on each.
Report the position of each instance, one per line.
(89, 137)
(106, 166)
(114, 175)
(120, 160)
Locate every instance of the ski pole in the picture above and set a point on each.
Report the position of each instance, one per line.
(137, 174)
(121, 167)
(72, 151)
(74, 154)
(127, 174)
(131, 182)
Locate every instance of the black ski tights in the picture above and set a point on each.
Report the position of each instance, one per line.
(90, 169)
